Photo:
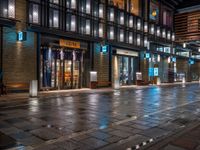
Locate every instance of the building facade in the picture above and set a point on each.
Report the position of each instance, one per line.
(59, 42)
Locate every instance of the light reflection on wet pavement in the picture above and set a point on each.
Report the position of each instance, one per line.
(99, 120)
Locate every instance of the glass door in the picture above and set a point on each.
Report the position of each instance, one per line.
(67, 74)
(127, 70)
(76, 74)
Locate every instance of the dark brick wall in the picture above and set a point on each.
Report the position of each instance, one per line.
(19, 58)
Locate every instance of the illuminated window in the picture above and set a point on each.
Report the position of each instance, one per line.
(87, 26)
(134, 7)
(85, 6)
(121, 36)
(121, 18)
(158, 31)
(145, 27)
(111, 34)
(145, 41)
(152, 29)
(111, 15)
(101, 30)
(54, 18)
(138, 39)
(131, 21)
(7, 8)
(71, 22)
(34, 13)
(168, 35)
(173, 36)
(139, 24)
(163, 33)
(117, 3)
(101, 11)
(54, 1)
(71, 4)
(130, 38)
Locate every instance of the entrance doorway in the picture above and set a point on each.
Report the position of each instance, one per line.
(61, 68)
(127, 68)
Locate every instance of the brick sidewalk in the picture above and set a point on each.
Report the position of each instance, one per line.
(188, 139)
(72, 92)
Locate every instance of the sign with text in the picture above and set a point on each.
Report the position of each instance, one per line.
(70, 44)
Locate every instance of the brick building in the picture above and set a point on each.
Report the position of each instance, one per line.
(59, 42)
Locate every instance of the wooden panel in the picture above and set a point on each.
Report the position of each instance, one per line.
(187, 26)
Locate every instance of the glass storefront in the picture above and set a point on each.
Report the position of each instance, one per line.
(61, 68)
(127, 70)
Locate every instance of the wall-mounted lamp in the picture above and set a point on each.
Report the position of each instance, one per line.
(184, 45)
(21, 36)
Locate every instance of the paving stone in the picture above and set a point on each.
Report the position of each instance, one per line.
(186, 143)
(31, 141)
(120, 133)
(20, 135)
(154, 132)
(10, 130)
(100, 135)
(93, 142)
(45, 134)
(113, 139)
(172, 147)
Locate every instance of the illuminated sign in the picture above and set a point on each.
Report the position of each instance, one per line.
(104, 49)
(155, 72)
(151, 72)
(125, 52)
(173, 59)
(70, 44)
(147, 55)
(21, 36)
(191, 61)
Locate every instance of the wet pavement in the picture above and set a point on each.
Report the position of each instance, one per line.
(119, 119)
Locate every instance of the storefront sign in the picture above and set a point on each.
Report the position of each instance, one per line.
(155, 72)
(126, 52)
(104, 49)
(151, 72)
(174, 59)
(191, 61)
(147, 55)
(70, 44)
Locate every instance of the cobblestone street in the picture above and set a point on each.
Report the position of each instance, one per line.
(129, 118)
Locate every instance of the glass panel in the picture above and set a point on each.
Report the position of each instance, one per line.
(58, 73)
(34, 13)
(101, 33)
(101, 12)
(131, 71)
(53, 71)
(67, 74)
(125, 71)
(11, 8)
(76, 74)
(54, 18)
